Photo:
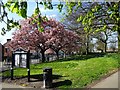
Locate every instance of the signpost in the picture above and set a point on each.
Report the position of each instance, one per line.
(20, 58)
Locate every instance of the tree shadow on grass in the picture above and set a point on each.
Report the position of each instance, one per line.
(39, 77)
(82, 57)
(33, 78)
(62, 83)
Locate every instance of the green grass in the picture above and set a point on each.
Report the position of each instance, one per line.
(76, 72)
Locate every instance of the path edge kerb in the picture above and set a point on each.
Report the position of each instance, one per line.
(103, 78)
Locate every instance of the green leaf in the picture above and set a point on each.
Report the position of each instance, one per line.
(49, 5)
(79, 4)
(105, 27)
(3, 29)
(23, 5)
(45, 18)
(115, 28)
(80, 19)
(99, 7)
(40, 29)
(90, 21)
(60, 6)
(118, 19)
(84, 22)
(37, 11)
(23, 13)
(115, 6)
(41, 3)
(93, 10)
(45, 5)
(97, 30)
(85, 28)
(100, 20)
(14, 7)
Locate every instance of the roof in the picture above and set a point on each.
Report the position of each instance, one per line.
(49, 51)
(0, 44)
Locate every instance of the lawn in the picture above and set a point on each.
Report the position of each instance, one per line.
(78, 71)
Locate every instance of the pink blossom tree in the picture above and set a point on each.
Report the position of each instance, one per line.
(29, 37)
(61, 39)
(54, 37)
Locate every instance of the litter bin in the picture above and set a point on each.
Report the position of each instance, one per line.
(47, 77)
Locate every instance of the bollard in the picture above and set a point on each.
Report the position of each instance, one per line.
(11, 73)
(47, 77)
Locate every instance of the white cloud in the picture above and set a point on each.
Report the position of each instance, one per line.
(52, 16)
(4, 38)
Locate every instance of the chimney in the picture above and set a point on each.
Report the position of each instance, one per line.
(8, 40)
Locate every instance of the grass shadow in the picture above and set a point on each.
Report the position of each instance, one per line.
(39, 77)
(5, 74)
(76, 58)
(33, 78)
(81, 57)
(62, 83)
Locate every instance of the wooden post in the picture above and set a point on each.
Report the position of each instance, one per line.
(28, 65)
(12, 70)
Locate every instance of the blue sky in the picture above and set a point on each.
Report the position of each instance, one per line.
(31, 7)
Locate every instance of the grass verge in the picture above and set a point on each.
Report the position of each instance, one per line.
(75, 72)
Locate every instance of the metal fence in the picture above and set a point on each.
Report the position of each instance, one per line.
(48, 58)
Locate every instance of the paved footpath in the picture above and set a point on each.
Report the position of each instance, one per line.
(14, 87)
(5, 85)
(112, 81)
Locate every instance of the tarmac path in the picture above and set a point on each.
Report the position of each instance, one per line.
(112, 81)
(6, 86)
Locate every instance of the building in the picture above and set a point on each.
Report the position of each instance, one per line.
(7, 52)
(49, 54)
(1, 52)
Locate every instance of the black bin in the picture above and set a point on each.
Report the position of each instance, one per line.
(47, 77)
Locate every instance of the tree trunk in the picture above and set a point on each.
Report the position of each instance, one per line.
(38, 56)
(57, 53)
(105, 47)
(118, 15)
(87, 44)
(43, 56)
(106, 41)
(118, 41)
